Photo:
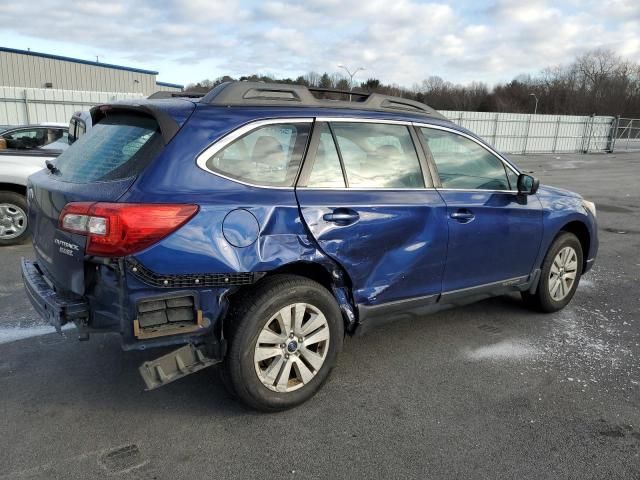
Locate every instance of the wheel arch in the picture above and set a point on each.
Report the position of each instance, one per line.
(313, 271)
(331, 277)
(328, 275)
(13, 187)
(580, 230)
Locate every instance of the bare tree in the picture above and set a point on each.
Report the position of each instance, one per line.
(595, 82)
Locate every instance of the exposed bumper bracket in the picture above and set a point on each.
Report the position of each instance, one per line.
(52, 306)
(174, 365)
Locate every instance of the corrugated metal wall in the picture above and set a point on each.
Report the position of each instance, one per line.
(168, 88)
(525, 133)
(33, 71)
(508, 132)
(49, 105)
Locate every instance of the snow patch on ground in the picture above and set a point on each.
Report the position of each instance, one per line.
(505, 350)
(581, 328)
(8, 335)
(586, 284)
(589, 343)
(583, 344)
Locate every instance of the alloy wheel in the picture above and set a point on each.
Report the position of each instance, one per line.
(562, 276)
(291, 347)
(13, 221)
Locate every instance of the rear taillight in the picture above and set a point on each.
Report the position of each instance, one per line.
(119, 229)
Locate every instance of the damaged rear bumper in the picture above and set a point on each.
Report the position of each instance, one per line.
(175, 365)
(57, 309)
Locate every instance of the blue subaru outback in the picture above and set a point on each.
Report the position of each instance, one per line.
(258, 225)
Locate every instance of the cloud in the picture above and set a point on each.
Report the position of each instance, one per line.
(403, 41)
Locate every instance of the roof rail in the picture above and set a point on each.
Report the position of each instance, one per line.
(283, 94)
(167, 94)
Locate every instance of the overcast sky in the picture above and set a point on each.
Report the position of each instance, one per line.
(399, 41)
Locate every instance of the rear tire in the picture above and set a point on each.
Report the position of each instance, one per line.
(559, 275)
(13, 218)
(284, 338)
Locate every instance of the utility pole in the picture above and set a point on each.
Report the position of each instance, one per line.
(351, 75)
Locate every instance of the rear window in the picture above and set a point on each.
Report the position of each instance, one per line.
(119, 146)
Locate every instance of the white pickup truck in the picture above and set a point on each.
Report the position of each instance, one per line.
(23, 151)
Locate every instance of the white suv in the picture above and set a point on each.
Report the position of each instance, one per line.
(23, 151)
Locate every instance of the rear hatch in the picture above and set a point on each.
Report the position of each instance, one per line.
(99, 167)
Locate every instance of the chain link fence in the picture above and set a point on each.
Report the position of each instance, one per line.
(626, 134)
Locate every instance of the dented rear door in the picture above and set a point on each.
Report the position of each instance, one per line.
(387, 228)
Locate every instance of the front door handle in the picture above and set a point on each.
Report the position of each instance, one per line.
(342, 216)
(463, 216)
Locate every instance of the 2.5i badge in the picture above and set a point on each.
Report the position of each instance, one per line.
(66, 248)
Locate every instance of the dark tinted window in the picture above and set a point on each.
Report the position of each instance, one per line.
(326, 170)
(76, 130)
(119, 146)
(464, 164)
(378, 155)
(72, 128)
(30, 138)
(23, 139)
(269, 155)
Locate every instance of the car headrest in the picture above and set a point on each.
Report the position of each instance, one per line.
(267, 150)
(387, 151)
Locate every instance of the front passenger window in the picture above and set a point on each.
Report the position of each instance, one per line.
(463, 164)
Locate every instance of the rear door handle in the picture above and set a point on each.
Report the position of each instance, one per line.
(342, 216)
(463, 216)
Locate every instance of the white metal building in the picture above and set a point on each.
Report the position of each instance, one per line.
(27, 69)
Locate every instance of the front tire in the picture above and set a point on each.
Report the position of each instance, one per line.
(559, 275)
(13, 218)
(284, 339)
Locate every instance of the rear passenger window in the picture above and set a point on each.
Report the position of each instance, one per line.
(268, 155)
(378, 155)
(326, 170)
(463, 164)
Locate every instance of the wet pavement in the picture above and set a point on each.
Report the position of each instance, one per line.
(490, 390)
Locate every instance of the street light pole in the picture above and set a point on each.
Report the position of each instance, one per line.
(351, 75)
(535, 109)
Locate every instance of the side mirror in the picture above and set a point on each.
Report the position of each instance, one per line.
(527, 185)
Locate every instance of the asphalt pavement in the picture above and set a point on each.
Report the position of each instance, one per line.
(490, 390)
